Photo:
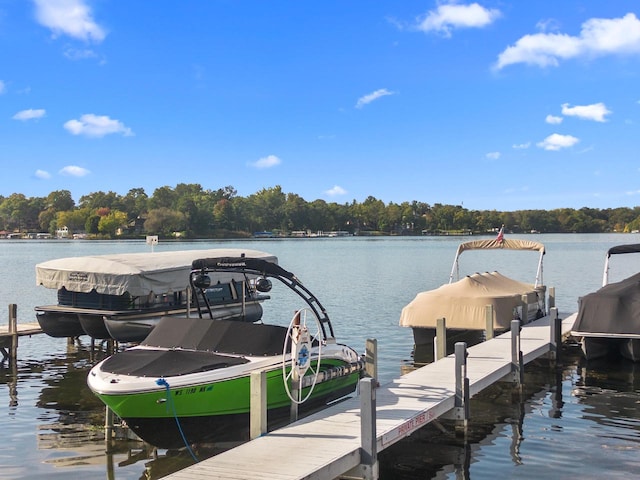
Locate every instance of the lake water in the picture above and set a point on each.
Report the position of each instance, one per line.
(578, 421)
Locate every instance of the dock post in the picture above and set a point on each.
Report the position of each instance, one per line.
(552, 297)
(517, 361)
(440, 342)
(108, 428)
(371, 358)
(489, 331)
(461, 405)
(13, 331)
(368, 434)
(295, 392)
(258, 410)
(555, 335)
(525, 309)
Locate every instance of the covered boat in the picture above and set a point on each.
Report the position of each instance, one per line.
(463, 303)
(123, 296)
(189, 381)
(608, 320)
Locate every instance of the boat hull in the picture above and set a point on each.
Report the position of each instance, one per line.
(215, 411)
(59, 324)
(93, 325)
(232, 427)
(594, 348)
(130, 328)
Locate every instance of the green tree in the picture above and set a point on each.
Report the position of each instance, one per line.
(223, 214)
(100, 199)
(74, 220)
(109, 224)
(60, 200)
(268, 208)
(296, 212)
(134, 203)
(91, 224)
(15, 210)
(163, 197)
(164, 222)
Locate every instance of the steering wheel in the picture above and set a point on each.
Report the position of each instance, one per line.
(304, 330)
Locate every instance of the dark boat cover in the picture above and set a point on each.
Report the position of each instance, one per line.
(190, 345)
(166, 363)
(614, 310)
(219, 336)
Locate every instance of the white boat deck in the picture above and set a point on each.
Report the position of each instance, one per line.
(327, 444)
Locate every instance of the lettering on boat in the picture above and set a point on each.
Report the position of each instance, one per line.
(78, 276)
(231, 264)
(192, 390)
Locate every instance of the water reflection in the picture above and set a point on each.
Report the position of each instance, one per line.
(71, 422)
(542, 423)
(510, 428)
(610, 392)
(440, 449)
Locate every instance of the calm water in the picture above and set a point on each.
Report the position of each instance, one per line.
(577, 421)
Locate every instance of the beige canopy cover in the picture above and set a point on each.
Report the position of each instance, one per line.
(506, 243)
(136, 273)
(463, 303)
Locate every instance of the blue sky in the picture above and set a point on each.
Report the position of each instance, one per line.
(504, 105)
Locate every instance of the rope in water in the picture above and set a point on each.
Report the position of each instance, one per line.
(165, 384)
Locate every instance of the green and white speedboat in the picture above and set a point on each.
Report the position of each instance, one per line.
(189, 381)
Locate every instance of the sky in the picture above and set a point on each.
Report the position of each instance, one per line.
(493, 105)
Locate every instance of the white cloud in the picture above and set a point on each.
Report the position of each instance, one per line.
(595, 112)
(74, 171)
(29, 114)
(3, 87)
(42, 174)
(92, 125)
(335, 191)
(599, 36)
(79, 54)
(267, 162)
(493, 155)
(553, 120)
(451, 16)
(557, 142)
(366, 99)
(69, 17)
(522, 146)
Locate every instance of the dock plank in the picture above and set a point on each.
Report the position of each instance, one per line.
(326, 444)
(23, 329)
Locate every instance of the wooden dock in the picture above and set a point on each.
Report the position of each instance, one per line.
(22, 330)
(331, 444)
(9, 334)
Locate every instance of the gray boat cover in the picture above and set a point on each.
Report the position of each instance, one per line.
(612, 311)
(463, 303)
(137, 273)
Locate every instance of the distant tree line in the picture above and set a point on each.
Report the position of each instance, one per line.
(190, 211)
